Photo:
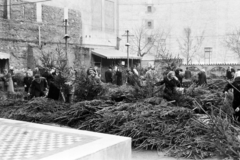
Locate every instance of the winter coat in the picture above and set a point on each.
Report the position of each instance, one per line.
(8, 83)
(188, 74)
(27, 82)
(170, 86)
(235, 85)
(38, 89)
(54, 91)
(202, 78)
(119, 78)
(108, 76)
(229, 74)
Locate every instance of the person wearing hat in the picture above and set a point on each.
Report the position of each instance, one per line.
(38, 87)
(108, 75)
(235, 85)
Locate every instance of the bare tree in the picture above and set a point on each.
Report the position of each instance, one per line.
(189, 45)
(232, 41)
(145, 41)
(55, 58)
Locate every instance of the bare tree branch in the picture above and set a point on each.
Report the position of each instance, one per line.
(189, 45)
(233, 41)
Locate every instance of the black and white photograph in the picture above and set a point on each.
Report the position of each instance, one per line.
(119, 79)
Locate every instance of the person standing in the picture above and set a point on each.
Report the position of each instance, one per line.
(108, 75)
(119, 77)
(27, 80)
(98, 72)
(235, 85)
(188, 74)
(38, 87)
(8, 82)
(202, 78)
(229, 74)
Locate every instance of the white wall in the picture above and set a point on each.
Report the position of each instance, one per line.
(215, 18)
(93, 35)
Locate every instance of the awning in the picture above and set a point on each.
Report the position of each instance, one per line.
(112, 54)
(4, 55)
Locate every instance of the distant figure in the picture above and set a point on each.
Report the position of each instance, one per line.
(8, 82)
(134, 71)
(202, 78)
(171, 82)
(108, 75)
(119, 77)
(54, 90)
(38, 87)
(98, 72)
(27, 80)
(188, 74)
(36, 71)
(177, 74)
(30, 71)
(230, 73)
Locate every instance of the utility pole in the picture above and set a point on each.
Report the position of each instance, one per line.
(127, 50)
(66, 36)
(127, 44)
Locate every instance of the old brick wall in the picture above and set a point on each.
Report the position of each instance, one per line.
(19, 35)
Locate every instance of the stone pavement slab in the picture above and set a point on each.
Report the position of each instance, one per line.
(30, 141)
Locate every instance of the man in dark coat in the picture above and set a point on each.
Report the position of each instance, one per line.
(27, 80)
(108, 75)
(229, 73)
(119, 77)
(54, 90)
(187, 74)
(38, 87)
(235, 85)
(202, 78)
(171, 82)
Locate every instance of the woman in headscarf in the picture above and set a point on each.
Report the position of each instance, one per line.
(171, 82)
(8, 82)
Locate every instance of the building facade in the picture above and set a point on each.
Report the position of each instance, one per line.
(27, 27)
(214, 18)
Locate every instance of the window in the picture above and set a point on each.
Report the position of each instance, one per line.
(149, 24)
(149, 9)
(149, 39)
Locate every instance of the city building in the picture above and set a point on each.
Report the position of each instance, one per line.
(215, 19)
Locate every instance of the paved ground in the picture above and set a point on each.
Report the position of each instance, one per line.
(19, 142)
(23, 142)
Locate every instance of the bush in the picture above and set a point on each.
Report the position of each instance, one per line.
(85, 89)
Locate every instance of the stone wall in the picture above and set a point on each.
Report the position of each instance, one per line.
(20, 35)
(211, 69)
